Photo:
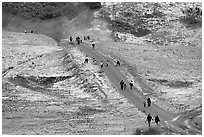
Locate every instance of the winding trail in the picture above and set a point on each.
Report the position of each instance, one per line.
(178, 121)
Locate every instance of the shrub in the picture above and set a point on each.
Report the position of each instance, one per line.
(192, 15)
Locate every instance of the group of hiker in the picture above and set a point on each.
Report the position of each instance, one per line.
(25, 31)
(146, 103)
(94, 61)
(149, 119)
(123, 85)
(79, 40)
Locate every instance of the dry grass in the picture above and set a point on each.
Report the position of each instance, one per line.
(164, 68)
(59, 94)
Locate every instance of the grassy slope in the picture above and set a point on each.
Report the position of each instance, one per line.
(169, 59)
(160, 23)
(45, 17)
(58, 94)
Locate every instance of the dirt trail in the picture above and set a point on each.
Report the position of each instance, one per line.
(136, 97)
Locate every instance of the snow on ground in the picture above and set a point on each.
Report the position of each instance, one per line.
(59, 94)
(18, 48)
(156, 63)
(120, 105)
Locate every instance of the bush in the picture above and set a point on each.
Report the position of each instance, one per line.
(93, 5)
(192, 15)
(138, 132)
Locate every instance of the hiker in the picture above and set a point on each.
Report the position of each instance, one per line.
(144, 103)
(78, 40)
(125, 86)
(84, 37)
(88, 37)
(156, 119)
(118, 63)
(70, 39)
(121, 84)
(25, 31)
(31, 31)
(131, 84)
(94, 60)
(107, 63)
(86, 60)
(33, 65)
(93, 45)
(149, 118)
(101, 64)
(148, 102)
(81, 40)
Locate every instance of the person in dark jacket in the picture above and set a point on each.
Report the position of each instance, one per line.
(93, 45)
(131, 84)
(125, 86)
(149, 119)
(148, 102)
(78, 40)
(122, 84)
(118, 63)
(107, 63)
(156, 119)
(70, 39)
(86, 60)
(101, 64)
(144, 103)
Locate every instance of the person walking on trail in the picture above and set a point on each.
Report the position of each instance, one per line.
(125, 86)
(149, 119)
(78, 40)
(117, 63)
(86, 60)
(144, 103)
(148, 102)
(122, 84)
(156, 119)
(94, 60)
(107, 63)
(70, 39)
(101, 64)
(131, 84)
(88, 37)
(93, 45)
(84, 37)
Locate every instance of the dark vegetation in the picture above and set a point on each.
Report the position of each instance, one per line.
(173, 84)
(192, 14)
(156, 131)
(192, 18)
(30, 81)
(47, 10)
(125, 17)
(129, 18)
(135, 18)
